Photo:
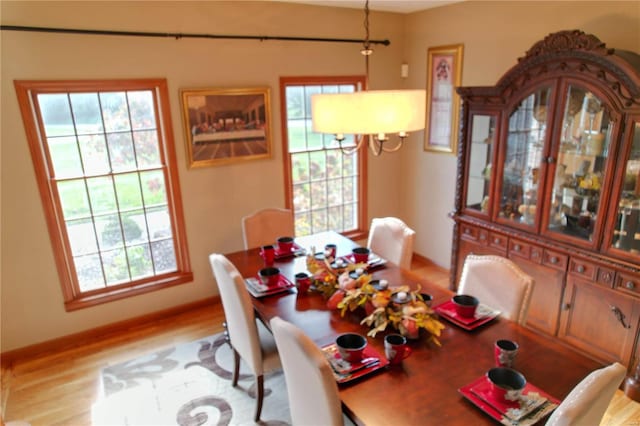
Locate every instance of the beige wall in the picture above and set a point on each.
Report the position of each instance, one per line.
(494, 35)
(215, 198)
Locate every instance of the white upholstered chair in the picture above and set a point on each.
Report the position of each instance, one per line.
(588, 401)
(312, 389)
(265, 226)
(392, 239)
(498, 283)
(250, 339)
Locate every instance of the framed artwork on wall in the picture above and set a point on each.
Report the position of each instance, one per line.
(444, 74)
(224, 126)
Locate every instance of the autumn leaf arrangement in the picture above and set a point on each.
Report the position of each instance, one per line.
(347, 287)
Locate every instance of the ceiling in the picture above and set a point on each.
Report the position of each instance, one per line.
(397, 6)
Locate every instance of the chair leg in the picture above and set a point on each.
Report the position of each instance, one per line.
(259, 396)
(236, 368)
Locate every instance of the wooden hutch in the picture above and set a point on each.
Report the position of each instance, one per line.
(549, 176)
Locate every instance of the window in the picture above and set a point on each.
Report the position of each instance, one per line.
(324, 187)
(105, 162)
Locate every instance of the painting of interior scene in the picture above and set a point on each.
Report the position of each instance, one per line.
(226, 126)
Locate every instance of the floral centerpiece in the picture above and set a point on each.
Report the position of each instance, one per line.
(347, 288)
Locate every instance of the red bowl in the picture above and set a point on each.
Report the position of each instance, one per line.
(465, 304)
(351, 346)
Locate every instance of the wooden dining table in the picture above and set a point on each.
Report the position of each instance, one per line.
(424, 388)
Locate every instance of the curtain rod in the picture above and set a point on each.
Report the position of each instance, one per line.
(178, 36)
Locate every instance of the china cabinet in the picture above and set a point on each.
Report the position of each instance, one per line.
(549, 176)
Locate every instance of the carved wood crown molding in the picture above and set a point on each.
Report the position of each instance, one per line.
(561, 52)
(566, 41)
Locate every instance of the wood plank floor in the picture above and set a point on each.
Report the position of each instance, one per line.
(59, 388)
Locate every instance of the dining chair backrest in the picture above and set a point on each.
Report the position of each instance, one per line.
(588, 401)
(392, 239)
(250, 340)
(266, 226)
(498, 283)
(311, 386)
(238, 311)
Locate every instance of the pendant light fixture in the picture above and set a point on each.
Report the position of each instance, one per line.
(369, 114)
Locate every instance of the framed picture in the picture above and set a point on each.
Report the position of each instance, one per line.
(444, 74)
(226, 125)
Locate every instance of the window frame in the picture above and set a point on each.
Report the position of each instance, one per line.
(360, 83)
(74, 298)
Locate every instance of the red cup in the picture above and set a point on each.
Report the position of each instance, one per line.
(285, 244)
(504, 352)
(268, 254)
(303, 282)
(269, 276)
(330, 251)
(361, 254)
(395, 348)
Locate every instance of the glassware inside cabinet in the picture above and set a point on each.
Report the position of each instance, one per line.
(580, 166)
(525, 143)
(480, 154)
(626, 235)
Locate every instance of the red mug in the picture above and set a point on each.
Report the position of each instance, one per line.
(268, 254)
(303, 282)
(330, 251)
(395, 348)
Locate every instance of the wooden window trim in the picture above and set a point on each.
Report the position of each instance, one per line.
(362, 230)
(73, 298)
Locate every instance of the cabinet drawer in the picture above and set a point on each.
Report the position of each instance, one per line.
(498, 241)
(536, 254)
(582, 268)
(469, 232)
(605, 276)
(519, 249)
(555, 260)
(628, 282)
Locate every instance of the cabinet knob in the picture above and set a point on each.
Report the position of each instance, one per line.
(535, 254)
(580, 268)
(606, 277)
(566, 306)
(553, 259)
(496, 240)
(630, 285)
(517, 247)
(467, 231)
(483, 237)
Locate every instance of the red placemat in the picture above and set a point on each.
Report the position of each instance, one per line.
(534, 405)
(258, 289)
(284, 254)
(345, 372)
(484, 314)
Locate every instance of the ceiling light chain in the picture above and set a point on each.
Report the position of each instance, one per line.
(369, 114)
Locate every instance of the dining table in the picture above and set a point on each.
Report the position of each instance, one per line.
(425, 387)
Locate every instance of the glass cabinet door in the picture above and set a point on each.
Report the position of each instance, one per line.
(480, 154)
(526, 138)
(580, 165)
(626, 235)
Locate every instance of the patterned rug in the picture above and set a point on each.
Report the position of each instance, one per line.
(189, 384)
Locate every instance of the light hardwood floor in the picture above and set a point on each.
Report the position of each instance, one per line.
(59, 388)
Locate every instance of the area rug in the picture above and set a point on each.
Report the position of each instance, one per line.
(187, 385)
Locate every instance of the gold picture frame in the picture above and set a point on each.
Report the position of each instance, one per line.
(225, 126)
(444, 74)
